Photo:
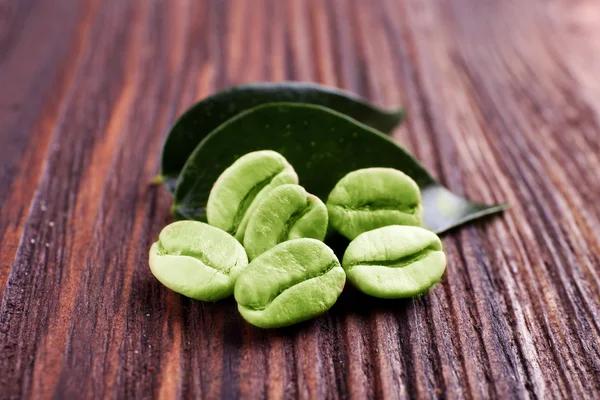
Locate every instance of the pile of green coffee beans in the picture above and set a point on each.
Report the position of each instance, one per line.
(257, 211)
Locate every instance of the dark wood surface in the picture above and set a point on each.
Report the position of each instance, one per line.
(503, 104)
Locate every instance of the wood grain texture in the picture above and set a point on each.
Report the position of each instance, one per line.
(503, 103)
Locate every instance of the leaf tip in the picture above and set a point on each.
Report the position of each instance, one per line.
(501, 207)
(399, 113)
(157, 180)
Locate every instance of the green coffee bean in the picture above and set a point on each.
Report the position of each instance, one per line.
(287, 212)
(395, 261)
(370, 198)
(292, 282)
(242, 186)
(197, 260)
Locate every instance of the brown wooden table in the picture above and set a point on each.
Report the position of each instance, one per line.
(503, 104)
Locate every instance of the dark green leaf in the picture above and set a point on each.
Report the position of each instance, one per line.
(202, 118)
(323, 146)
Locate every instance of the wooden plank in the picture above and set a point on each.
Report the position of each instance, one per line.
(503, 103)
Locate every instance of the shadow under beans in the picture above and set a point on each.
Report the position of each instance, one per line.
(223, 316)
(209, 318)
(337, 243)
(351, 301)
